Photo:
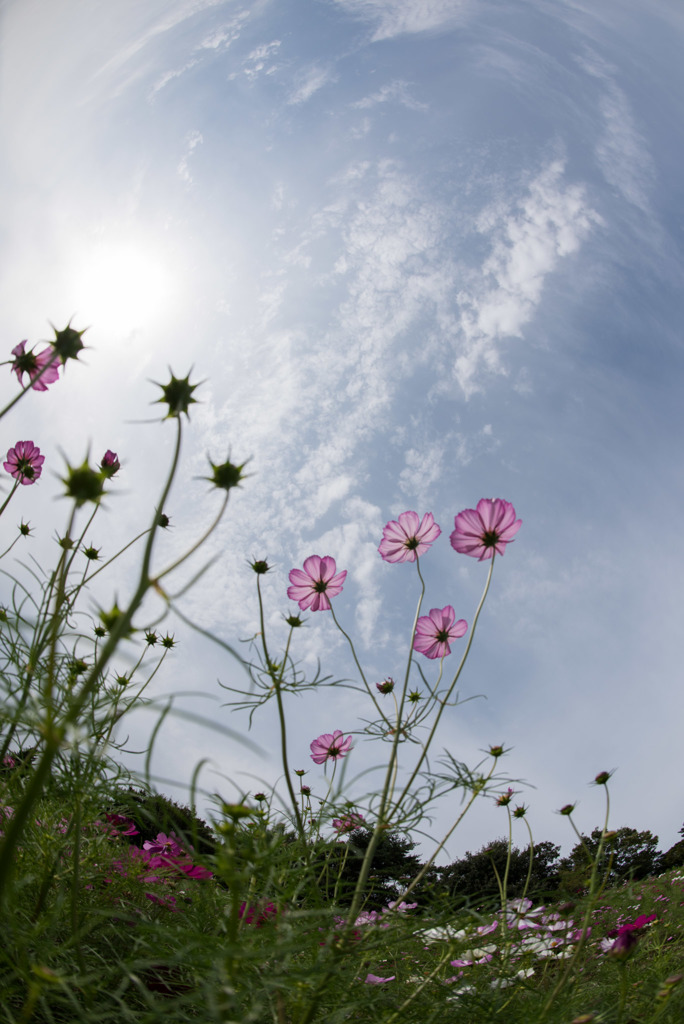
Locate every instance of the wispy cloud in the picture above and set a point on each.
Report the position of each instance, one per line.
(406, 17)
(193, 140)
(394, 92)
(218, 39)
(310, 81)
(259, 61)
(621, 151)
(528, 241)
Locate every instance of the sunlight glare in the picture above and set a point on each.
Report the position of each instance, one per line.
(122, 287)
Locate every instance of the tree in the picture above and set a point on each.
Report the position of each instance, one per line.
(474, 875)
(626, 854)
(393, 866)
(674, 857)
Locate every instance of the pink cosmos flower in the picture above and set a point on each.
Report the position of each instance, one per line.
(488, 528)
(110, 464)
(434, 632)
(375, 979)
(258, 916)
(164, 845)
(405, 539)
(32, 363)
(330, 747)
(313, 586)
(119, 826)
(626, 937)
(348, 824)
(24, 462)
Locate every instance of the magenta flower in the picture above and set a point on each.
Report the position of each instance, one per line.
(434, 632)
(313, 586)
(258, 916)
(32, 363)
(405, 539)
(626, 937)
(164, 845)
(330, 747)
(24, 462)
(375, 979)
(110, 464)
(488, 528)
(348, 824)
(120, 826)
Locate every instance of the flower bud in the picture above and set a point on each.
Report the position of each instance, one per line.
(567, 809)
(226, 475)
(68, 342)
(84, 484)
(177, 394)
(237, 811)
(110, 464)
(260, 566)
(111, 619)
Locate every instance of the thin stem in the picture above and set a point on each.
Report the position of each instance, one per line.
(8, 499)
(445, 700)
(358, 665)
(593, 895)
(531, 861)
(198, 543)
(277, 681)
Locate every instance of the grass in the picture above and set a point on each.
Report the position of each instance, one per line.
(83, 941)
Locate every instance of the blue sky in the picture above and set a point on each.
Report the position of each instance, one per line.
(421, 253)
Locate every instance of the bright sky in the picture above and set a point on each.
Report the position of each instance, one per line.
(420, 253)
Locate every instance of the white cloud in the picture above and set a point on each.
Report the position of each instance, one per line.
(396, 91)
(622, 151)
(193, 140)
(310, 82)
(260, 60)
(218, 39)
(407, 17)
(550, 222)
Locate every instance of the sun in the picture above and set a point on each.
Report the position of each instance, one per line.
(122, 286)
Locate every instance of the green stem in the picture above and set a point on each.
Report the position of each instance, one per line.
(52, 734)
(7, 501)
(593, 896)
(277, 682)
(358, 665)
(198, 543)
(444, 702)
(531, 860)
